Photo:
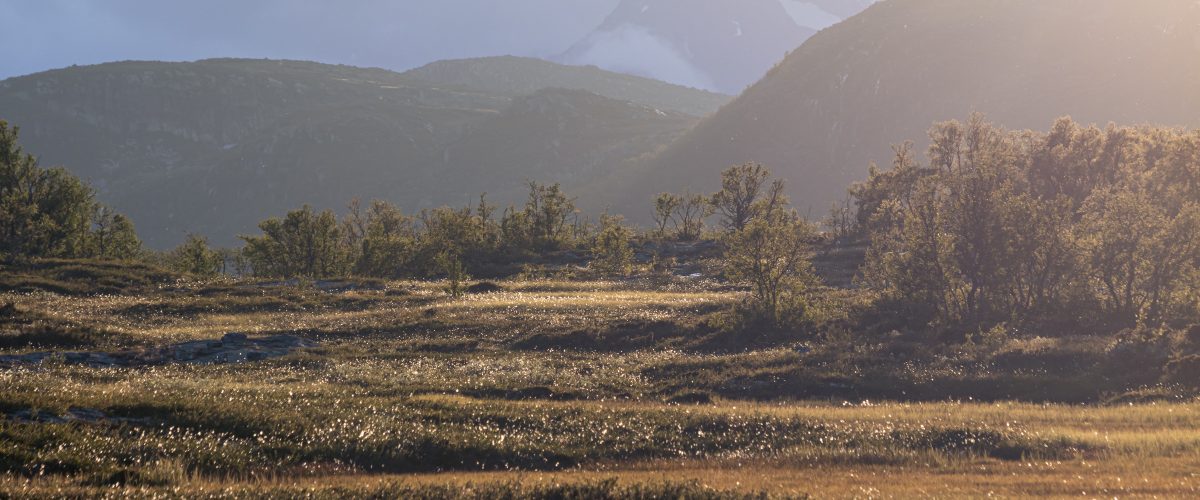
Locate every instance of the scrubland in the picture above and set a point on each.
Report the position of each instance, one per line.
(553, 389)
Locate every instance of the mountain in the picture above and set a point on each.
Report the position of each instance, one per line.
(556, 135)
(215, 146)
(520, 76)
(719, 45)
(885, 76)
(820, 14)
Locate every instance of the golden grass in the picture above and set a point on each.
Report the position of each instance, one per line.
(363, 369)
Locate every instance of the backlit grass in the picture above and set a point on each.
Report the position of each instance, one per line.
(545, 388)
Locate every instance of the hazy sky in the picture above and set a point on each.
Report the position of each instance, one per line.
(37, 35)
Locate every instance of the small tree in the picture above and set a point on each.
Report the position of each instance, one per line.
(690, 215)
(43, 212)
(841, 220)
(772, 253)
(113, 236)
(454, 270)
(304, 243)
(387, 241)
(741, 187)
(547, 212)
(665, 206)
(196, 258)
(613, 255)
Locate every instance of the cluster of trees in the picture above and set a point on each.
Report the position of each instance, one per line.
(1015, 227)
(767, 243)
(51, 213)
(381, 241)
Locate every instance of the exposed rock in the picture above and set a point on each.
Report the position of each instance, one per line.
(232, 348)
(73, 414)
(234, 339)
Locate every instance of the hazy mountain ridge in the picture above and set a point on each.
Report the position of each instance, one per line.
(556, 135)
(712, 44)
(519, 76)
(216, 146)
(885, 76)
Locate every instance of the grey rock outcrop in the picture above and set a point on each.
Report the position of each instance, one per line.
(231, 348)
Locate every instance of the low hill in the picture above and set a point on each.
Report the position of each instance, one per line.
(519, 76)
(556, 135)
(215, 146)
(883, 77)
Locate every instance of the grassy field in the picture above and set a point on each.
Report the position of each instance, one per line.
(550, 389)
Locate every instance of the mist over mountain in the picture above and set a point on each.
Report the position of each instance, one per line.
(39, 35)
(717, 45)
(215, 146)
(885, 76)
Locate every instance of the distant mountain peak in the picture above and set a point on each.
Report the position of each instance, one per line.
(718, 45)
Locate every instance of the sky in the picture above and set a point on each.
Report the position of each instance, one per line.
(38, 35)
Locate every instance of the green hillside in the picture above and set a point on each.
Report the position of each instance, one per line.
(518, 76)
(215, 146)
(556, 135)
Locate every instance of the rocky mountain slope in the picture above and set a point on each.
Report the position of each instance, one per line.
(885, 76)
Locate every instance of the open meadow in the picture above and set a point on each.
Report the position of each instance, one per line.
(533, 388)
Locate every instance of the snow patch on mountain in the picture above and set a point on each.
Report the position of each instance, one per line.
(633, 49)
(809, 14)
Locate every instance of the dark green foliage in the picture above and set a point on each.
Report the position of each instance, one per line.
(381, 241)
(43, 213)
(304, 243)
(741, 188)
(113, 236)
(1026, 227)
(1184, 371)
(196, 258)
(686, 214)
(768, 246)
(665, 205)
(455, 272)
(612, 254)
(51, 213)
(547, 212)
